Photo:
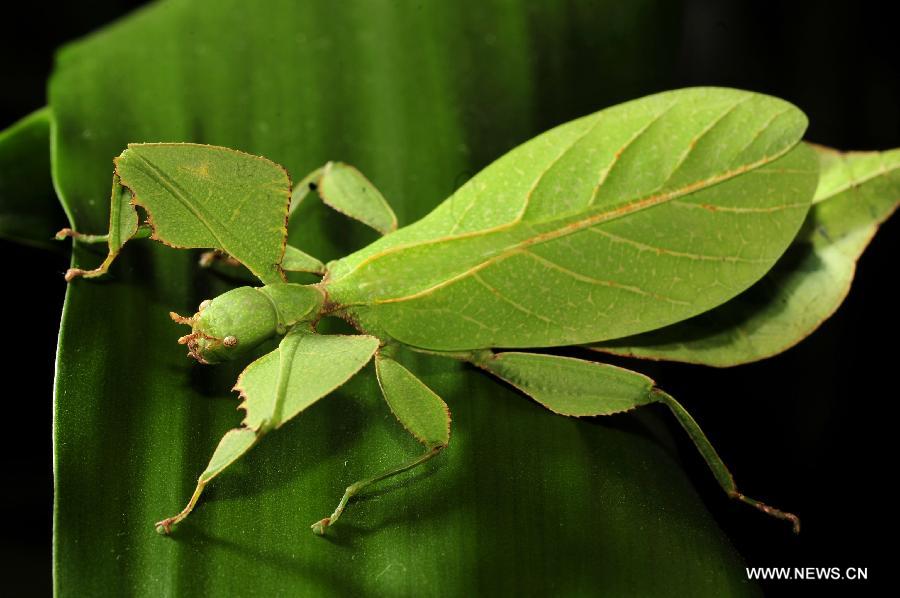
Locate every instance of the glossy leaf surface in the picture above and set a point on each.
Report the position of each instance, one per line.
(623, 221)
(28, 208)
(416, 96)
(856, 193)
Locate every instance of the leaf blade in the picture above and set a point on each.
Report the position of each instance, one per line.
(28, 211)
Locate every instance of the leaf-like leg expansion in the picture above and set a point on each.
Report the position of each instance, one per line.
(279, 385)
(308, 183)
(346, 190)
(584, 388)
(123, 226)
(300, 261)
(423, 413)
(714, 461)
(235, 443)
(294, 260)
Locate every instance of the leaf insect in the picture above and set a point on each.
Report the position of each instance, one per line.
(636, 230)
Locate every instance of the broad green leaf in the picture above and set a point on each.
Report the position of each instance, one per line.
(29, 213)
(857, 191)
(348, 191)
(423, 413)
(303, 369)
(212, 197)
(571, 386)
(632, 218)
(419, 96)
(300, 261)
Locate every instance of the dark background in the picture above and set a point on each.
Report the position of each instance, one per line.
(808, 431)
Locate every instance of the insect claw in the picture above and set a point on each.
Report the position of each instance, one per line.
(164, 527)
(179, 319)
(73, 273)
(320, 526)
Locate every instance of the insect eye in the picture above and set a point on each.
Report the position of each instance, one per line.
(230, 341)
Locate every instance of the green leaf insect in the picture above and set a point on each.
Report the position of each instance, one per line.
(676, 226)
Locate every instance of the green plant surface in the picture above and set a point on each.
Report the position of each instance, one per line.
(522, 501)
(29, 212)
(857, 191)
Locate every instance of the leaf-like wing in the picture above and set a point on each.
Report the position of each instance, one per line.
(623, 221)
(212, 197)
(857, 192)
(423, 413)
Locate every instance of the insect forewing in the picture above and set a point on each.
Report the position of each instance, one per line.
(620, 222)
(857, 191)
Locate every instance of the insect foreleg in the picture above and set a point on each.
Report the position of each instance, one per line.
(277, 387)
(123, 226)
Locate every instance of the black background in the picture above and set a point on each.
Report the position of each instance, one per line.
(809, 431)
